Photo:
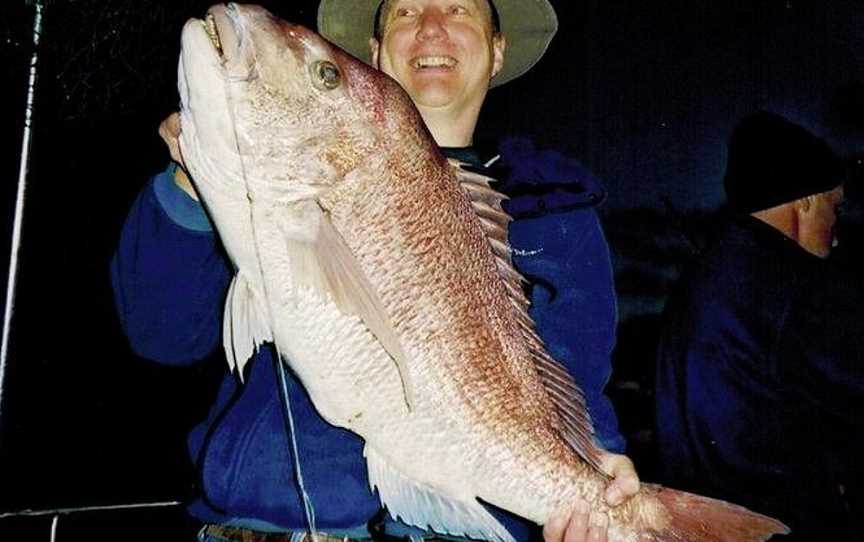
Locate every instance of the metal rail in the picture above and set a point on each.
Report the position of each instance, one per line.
(55, 513)
(19, 202)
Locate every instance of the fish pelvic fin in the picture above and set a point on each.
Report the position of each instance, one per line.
(244, 327)
(321, 260)
(574, 422)
(694, 517)
(422, 506)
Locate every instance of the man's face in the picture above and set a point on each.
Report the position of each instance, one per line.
(442, 52)
(817, 230)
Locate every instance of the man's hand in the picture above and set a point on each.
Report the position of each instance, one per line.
(579, 524)
(625, 481)
(576, 525)
(169, 131)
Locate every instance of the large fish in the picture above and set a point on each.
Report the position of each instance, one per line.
(381, 273)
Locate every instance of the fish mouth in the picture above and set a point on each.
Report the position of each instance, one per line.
(212, 30)
(223, 26)
(433, 62)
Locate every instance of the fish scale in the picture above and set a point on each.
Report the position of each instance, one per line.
(382, 274)
(493, 393)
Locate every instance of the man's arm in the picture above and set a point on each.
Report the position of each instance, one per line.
(561, 249)
(168, 274)
(575, 310)
(584, 305)
(566, 258)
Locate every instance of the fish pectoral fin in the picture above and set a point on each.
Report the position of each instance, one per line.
(320, 259)
(244, 326)
(421, 506)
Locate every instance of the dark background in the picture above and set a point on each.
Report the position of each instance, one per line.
(644, 94)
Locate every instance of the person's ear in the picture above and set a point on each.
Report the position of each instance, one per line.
(804, 204)
(499, 46)
(374, 48)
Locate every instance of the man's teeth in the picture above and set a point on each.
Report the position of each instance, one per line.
(434, 62)
(210, 27)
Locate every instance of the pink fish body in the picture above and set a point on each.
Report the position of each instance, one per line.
(382, 274)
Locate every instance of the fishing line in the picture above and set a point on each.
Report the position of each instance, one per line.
(308, 507)
(19, 203)
(307, 501)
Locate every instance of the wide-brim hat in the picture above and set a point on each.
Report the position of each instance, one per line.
(528, 26)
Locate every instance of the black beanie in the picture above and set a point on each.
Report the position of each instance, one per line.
(773, 161)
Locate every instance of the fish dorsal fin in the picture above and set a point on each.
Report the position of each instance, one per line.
(321, 260)
(422, 506)
(244, 327)
(569, 402)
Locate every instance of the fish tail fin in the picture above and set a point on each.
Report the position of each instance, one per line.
(693, 517)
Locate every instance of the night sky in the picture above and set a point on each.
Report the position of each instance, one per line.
(643, 93)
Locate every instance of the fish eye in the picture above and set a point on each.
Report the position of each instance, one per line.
(325, 75)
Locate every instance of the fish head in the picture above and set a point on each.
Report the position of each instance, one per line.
(276, 105)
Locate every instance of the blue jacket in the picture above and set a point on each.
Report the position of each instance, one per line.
(170, 278)
(759, 387)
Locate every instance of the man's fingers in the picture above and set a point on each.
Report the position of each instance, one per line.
(578, 525)
(621, 488)
(628, 483)
(613, 496)
(577, 530)
(599, 525)
(555, 527)
(625, 481)
(169, 131)
(170, 126)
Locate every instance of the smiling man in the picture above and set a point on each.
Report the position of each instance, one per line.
(170, 282)
(443, 54)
